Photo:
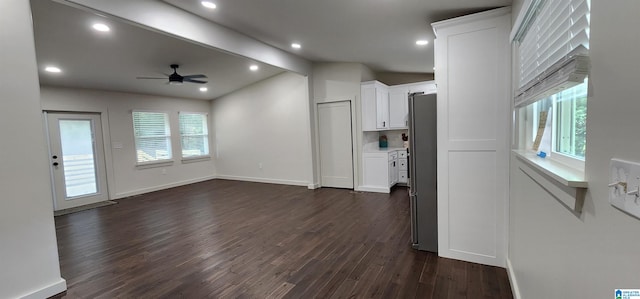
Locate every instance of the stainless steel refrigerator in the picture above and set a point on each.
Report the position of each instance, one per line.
(422, 171)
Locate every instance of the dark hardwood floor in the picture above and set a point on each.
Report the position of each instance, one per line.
(227, 239)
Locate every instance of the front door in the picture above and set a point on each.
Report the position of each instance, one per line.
(77, 159)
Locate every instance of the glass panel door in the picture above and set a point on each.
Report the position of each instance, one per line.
(77, 159)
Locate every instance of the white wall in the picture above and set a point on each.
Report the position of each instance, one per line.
(124, 178)
(265, 123)
(28, 250)
(339, 81)
(554, 253)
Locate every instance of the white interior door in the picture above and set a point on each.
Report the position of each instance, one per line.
(77, 159)
(336, 148)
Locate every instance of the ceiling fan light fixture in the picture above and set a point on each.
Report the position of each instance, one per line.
(175, 83)
(422, 42)
(209, 4)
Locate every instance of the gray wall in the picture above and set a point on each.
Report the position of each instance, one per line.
(555, 254)
(28, 249)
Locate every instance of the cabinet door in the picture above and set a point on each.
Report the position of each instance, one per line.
(376, 173)
(368, 94)
(382, 108)
(426, 87)
(393, 172)
(398, 108)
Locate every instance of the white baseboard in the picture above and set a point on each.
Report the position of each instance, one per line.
(373, 189)
(263, 180)
(512, 279)
(162, 187)
(313, 186)
(48, 291)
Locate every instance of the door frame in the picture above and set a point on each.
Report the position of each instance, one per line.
(354, 149)
(106, 142)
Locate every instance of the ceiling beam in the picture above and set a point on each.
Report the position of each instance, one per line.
(164, 18)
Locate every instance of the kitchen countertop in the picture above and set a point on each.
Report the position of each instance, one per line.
(384, 150)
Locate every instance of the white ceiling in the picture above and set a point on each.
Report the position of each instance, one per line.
(378, 33)
(112, 61)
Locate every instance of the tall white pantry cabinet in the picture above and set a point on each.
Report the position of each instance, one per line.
(473, 75)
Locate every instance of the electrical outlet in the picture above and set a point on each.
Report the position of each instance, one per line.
(164, 171)
(260, 165)
(624, 191)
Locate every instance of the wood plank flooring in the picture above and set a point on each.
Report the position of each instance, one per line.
(228, 239)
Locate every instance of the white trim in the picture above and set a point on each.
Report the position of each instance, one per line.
(162, 187)
(373, 189)
(263, 180)
(515, 290)
(154, 164)
(518, 23)
(194, 159)
(463, 20)
(562, 173)
(47, 291)
(313, 186)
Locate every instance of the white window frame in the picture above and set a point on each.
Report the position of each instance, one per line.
(156, 162)
(206, 136)
(561, 75)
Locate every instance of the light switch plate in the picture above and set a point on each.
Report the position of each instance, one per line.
(625, 178)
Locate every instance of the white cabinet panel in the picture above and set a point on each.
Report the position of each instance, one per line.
(402, 164)
(472, 54)
(473, 213)
(403, 176)
(382, 108)
(368, 103)
(376, 170)
(398, 107)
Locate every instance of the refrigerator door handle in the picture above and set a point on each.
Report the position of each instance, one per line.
(412, 147)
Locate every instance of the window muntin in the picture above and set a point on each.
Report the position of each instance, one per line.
(152, 136)
(194, 135)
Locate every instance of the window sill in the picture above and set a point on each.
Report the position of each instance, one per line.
(154, 164)
(195, 159)
(566, 184)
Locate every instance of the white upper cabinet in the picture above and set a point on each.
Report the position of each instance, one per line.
(375, 106)
(398, 107)
(399, 102)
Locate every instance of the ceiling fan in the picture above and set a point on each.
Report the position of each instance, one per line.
(175, 78)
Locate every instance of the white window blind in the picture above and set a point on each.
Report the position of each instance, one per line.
(194, 134)
(553, 47)
(152, 136)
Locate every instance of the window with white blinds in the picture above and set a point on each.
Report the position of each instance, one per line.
(553, 44)
(152, 136)
(194, 134)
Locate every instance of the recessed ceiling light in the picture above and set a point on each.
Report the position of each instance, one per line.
(253, 67)
(101, 27)
(422, 42)
(296, 46)
(203, 89)
(52, 69)
(209, 4)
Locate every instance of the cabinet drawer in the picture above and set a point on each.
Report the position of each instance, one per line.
(393, 156)
(402, 164)
(402, 154)
(403, 176)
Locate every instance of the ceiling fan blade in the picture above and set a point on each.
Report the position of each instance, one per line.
(194, 81)
(151, 78)
(194, 76)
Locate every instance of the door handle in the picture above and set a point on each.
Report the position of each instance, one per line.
(55, 163)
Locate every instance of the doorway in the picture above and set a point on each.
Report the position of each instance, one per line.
(336, 146)
(76, 150)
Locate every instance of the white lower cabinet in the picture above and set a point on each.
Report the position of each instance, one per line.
(382, 170)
